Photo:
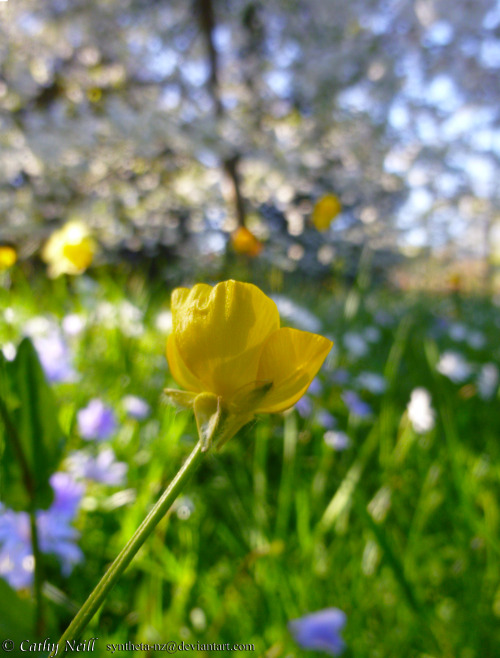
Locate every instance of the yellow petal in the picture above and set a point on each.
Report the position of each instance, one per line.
(325, 211)
(8, 256)
(219, 333)
(290, 359)
(180, 372)
(69, 250)
(249, 397)
(80, 255)
(245, 242)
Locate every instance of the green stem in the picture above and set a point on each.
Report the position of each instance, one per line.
(102, 589)
(38, 579)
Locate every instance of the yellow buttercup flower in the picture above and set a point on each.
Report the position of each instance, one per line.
(228, 352)
(8, 257)
(70, 250)
(325, 211)
(244, 242)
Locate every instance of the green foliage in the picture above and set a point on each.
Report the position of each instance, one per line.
(400, 530)
(31, 439)
(16, 615)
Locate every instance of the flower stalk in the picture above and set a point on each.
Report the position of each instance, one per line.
(38, 576)
(121, 562)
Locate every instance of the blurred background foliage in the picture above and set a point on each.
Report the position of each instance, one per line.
(315, 148)
(165, 125)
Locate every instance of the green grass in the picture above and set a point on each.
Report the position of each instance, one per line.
(401, 531)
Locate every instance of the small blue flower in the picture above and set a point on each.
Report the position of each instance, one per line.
(55, 358)
(315, 387)
(55, 534)
(356, 405)
(16, 559)
(136, 407)
(325, 419)
(340, 376)
(304, 407)
(103, 468)
(96, 421)
(337, 440)
(320, 631)
(372, 382)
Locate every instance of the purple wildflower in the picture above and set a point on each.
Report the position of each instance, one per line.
(340, 376)
(320, 631)
(337, 440)
(55, 534)
(16, 559)
(304, 406)
(103, 468)
(315, 387)
(356, 405)
(96, 421)
(55, 358)
(372, 382)
(67, 495)
(136, 407)
(325, 419)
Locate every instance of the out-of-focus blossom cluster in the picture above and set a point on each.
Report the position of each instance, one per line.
(337, 440)
(136, 407)
(458, 369)
(56, 535)
(487, 383)
(96, 421)
(320, 631)
(53, 350)
(454, 366)
(8, 257)
(124, 316)
(460, 333)
(70, 250)
(325, 211)
(420, 412)
(103, 468)
(356, 405)
(56, 358)
(297, 315)
(244, 242)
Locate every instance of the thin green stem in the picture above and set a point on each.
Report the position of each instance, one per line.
(38, 579)
(102, 589)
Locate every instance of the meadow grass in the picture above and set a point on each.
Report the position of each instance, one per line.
(400, 530)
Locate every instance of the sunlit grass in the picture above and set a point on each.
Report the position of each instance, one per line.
(400, 530)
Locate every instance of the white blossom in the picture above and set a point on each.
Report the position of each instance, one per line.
(420, 412)
(487, 382)
(454, 366)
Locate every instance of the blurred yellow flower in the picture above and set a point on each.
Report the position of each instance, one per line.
(228, 352)
(8, 256)
(325, 211)
(69, 250)
(245, 242)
